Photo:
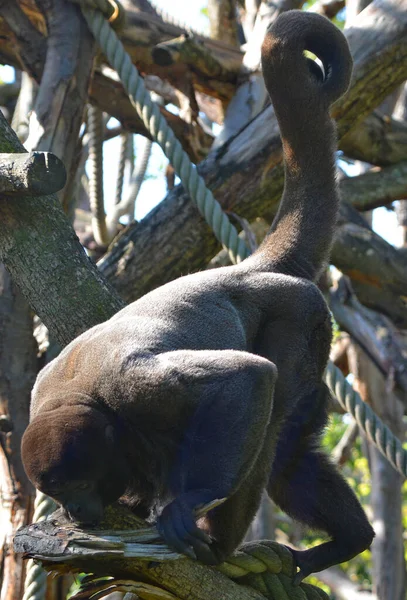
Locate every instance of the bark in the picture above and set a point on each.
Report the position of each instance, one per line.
(142, 32)
(328, 8)
(24, 106)
(378, 270)
(107, 93)
(35, 241)
(372, 332)
(32, 174)
(376, 187)
(58, 109)
(222, 21)
(379, 140)
(111, 98)
(389, 567)
(343, 449)
(22, 39)
(247, 178)
(18, 367)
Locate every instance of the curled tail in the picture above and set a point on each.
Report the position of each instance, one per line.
(302, 93)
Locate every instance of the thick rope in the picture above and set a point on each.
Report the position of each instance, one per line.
(376, 431)
(160, 131)
(139, 174)
(35, 584)
(269, 568)
(95, 132)
(127, 204)
(124, 151)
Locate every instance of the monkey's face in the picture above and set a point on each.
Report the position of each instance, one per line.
(73, 455)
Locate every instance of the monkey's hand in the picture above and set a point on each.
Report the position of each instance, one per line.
(178, 527)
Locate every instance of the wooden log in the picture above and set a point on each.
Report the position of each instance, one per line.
(189, 50)
(31, 174)
(138, 554)
(376, 187)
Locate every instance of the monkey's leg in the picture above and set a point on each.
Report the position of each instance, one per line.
(312, 491)
(233, 392)
(229, 522)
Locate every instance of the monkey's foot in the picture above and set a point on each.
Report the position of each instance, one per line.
(177, 526)
(299, 563)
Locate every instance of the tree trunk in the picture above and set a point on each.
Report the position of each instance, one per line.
(18, 368)
(388, 548)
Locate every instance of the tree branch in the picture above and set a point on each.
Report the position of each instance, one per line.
(371, 331)
(378, 270)
(35, 241)
(378, 140)
(222, 19)
(375, 188)
(33, 174)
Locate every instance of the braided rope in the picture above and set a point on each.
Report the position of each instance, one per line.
(139, 174)
(95, 132)
(161, 132)
(376, 431)
(124, 151)
(268, 567)
(35, 583)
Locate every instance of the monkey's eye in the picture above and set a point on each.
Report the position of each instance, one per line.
(54, 487)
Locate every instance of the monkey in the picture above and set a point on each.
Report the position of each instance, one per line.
(211, 386)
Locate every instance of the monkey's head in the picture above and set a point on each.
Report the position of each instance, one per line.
(73, 454)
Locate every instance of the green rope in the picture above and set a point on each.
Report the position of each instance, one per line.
(269, 568)
(376, 431)
(124, 151)
(159, 129)
(95, 132)
(35, 583)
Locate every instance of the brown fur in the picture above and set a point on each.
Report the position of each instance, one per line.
(175, 401)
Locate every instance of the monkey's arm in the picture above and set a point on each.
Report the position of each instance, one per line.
(234, 391)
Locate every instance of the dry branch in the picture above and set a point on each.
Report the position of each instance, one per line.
(105, 92)
(141, 33)
(376, 188)
(371, 331)
(378, 270)
(379, 140)
(33, 174)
